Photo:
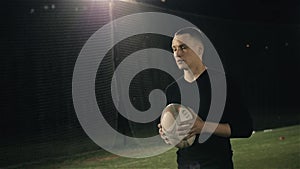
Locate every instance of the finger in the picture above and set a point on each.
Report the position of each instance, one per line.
(167, 142)
(161, 132)
(163, 136)
(191, 133)
(159, 125)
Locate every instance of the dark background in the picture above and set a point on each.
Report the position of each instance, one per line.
(258, 42)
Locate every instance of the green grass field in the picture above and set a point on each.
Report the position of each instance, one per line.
(263, 150)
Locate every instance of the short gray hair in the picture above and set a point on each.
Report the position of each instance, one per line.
(193, 32)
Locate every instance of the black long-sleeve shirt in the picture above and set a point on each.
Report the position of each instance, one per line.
(216, 151)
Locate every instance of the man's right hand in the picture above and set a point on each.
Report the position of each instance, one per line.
(162, 134)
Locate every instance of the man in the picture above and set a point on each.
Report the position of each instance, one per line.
(214, 153)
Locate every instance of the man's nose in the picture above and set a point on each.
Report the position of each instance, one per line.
(178, 53)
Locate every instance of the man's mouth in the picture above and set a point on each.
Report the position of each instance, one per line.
(180, 61)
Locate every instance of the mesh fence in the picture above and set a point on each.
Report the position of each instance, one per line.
(43, 41)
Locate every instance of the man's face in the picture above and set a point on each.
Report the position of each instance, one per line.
(185, 57)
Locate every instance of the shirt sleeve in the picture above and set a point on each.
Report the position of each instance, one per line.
(236, 113)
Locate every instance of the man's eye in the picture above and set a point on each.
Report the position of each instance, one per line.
(182, 47)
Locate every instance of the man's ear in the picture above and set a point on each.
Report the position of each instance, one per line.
(200, 51)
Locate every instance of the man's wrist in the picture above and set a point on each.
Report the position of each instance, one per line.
(208, 127)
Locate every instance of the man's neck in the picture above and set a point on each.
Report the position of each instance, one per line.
(191, 76)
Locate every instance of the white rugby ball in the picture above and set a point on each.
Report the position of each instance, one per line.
(171, 116)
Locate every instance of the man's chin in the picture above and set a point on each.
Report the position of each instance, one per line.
(182, 67)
